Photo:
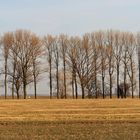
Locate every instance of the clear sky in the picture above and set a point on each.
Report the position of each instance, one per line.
(73, 17)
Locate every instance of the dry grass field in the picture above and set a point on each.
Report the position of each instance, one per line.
(88, 119)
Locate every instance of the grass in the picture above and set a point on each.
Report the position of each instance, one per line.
(88, 119)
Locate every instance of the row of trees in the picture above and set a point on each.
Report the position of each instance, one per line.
(92, 66)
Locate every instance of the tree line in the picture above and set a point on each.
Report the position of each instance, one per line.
(96, 65)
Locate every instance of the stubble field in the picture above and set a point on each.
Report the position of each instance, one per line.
(88, 119)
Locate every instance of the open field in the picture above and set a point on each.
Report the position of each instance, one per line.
(70, 119)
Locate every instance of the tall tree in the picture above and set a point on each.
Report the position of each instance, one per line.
(81, 67)
(96, 61)
(16, 75)
(49, 44)
(63, 40)
(56, 51)
(100, 39)
(37, 52)
(111, 60)
(131, 69)
(24, 54)
(71, 61)
(87, 49)
(118, 56)
(7, 42)
(138, 55)
(125, 61)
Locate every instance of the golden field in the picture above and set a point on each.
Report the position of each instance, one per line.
(45, 119)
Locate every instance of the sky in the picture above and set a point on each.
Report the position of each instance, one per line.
(74, 17)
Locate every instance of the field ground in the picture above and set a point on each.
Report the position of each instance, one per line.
(88, 119)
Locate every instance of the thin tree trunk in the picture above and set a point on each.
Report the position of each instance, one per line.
(132, 90)
(125, 81)
(72, 82)
(50, 80)
(14, 69)
(87, 73)
(96, 94)
(103, 86)
(24, 81)
(139, 78)
(76, 90)
(110, 75)
(72, 86)
(35, 88)
(132, 80)
(13, 88)
(57, 79)
(65, 90)
(118, 92)
(5, 80)
(34, 75)
(103, 78)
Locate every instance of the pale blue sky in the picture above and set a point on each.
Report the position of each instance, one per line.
(73, 17)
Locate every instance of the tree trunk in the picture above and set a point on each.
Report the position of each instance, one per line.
(24, 90)
(14, 69)
(17, 93)
(103, 86)
(118, 92)
(34, 75)
(95, 74)
(35, 89)
(65, 90)
(125, 81)
(139, 78)
(132, 81)
(83, 91)
(5, 80)
(96, 94)
(132, 90)
(72, 82)
(50, 80)
(103, 78)
(57, 79)
(76, 90)
(110, 75)
(13, 88)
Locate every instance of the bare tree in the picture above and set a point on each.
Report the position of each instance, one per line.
(138, 55)
(16, 75)
(80, 67)
(7, 41)
(56, 52)
(49, 44)
(100, 39)
(118, 56)
(24, 55)
(37, 52)
(87, 49)
(96, 61)
(71, 61)
(88, 61)
(125, 60)
(86, 64)
(63, 40)
(110, 57)
(131, 69)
